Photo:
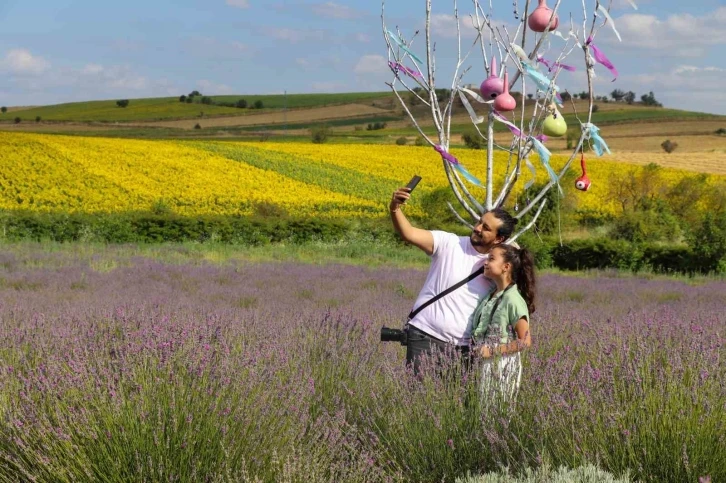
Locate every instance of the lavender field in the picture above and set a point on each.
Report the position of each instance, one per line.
(137, 370)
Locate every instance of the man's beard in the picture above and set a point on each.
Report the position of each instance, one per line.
(476, 240)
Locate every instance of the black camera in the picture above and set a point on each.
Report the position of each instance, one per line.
(394, 335)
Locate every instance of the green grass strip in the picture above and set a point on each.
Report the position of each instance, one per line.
(307, 170)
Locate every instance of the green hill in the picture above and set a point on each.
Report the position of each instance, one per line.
(166, 108)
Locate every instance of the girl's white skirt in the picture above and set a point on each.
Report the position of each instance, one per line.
(499, 379)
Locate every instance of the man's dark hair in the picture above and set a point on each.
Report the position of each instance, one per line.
(508, 222)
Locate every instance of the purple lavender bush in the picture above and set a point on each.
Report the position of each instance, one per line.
(151, 371)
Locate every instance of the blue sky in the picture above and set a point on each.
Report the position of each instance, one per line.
(60, 51)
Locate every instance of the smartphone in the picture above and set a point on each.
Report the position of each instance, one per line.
(412, 184)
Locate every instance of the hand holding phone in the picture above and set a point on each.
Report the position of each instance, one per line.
(412, 184)
(402, 195)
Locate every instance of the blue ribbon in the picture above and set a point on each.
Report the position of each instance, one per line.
(403, 46)
(544, 156)
(543, 83)
(598, 143)
(466, 174)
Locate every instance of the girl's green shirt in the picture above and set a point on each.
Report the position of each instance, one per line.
(501, 328)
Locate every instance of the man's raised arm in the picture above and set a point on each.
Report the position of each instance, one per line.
(423, 239)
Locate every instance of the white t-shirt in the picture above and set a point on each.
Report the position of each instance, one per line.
(450, 317)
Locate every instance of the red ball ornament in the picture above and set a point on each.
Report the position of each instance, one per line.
(583, 182)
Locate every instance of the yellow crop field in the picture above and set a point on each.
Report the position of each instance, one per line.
(401, 162)
(58, 173)
(88, 174)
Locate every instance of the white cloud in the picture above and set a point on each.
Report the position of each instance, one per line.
(116, 77)
(92, 69)
(335, 10)
(681, 35)
(239, 46)
(212, 88)
(627, 4)
(22, 62)
(371, 65)
(91, 81)
(321, 62)
(685, 87)
(208, 47)
(361, 37)
(685, 78)
(444, 25)
(238, 3)
(294, 35)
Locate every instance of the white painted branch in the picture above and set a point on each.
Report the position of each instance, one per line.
(490, 158)
(530, 224)
(472, 198)
(410, 115)
(448, 170)
(459, 217)
(551, 183)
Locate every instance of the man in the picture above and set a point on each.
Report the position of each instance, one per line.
(448, 321)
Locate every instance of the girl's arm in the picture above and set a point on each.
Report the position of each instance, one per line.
(524, 340)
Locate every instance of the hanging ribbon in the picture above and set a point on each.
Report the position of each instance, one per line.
(396, 66)
(544, 156)
(608, 18)
(532, 170)
(520, 53)
(554, 65)
(543, 83)
(514, 129)
(600, 58)
(598, 143)
(457, 165)
(472, 114)
(403, 46)
(569, 36)
(476, 96)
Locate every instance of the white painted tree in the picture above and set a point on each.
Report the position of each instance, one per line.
(508, 51)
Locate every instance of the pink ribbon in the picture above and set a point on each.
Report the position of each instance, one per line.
(600, 58)
(446, 155)
(553, 65)
(515, 130)
(395, 66)
(457, 165)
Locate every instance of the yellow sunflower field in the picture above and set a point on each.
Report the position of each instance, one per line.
(52, 173)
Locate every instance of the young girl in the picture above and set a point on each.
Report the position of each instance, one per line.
(501, 321)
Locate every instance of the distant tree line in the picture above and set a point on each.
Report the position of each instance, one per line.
(618, 96)
(209, 101)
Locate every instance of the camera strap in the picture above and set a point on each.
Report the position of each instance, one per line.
(445, 292)
(499, 301)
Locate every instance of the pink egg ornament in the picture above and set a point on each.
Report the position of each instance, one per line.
(504, 101)
(539, 19)
(493, 85)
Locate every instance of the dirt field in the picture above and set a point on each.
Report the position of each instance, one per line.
(19, 108)
(301, 115)
(708, 162)
(56, 127)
